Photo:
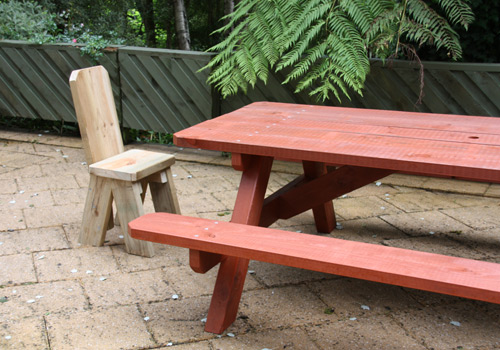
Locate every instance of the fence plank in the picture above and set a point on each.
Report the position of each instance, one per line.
(34, 79)
(163, 90)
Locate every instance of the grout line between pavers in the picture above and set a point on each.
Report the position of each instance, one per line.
(46, 333)
(142, 314)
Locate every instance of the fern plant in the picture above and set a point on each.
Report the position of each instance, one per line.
(325, 45)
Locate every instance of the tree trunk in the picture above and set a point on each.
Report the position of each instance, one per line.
(181, 25)
(228, 9)
(146, 10)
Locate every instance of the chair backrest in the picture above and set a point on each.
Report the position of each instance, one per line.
(96, 113)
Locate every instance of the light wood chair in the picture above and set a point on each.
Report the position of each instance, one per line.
(115, 173)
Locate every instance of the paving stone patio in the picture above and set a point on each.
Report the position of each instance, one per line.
(56, 294)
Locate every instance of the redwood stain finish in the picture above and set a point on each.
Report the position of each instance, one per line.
(233, 269)
(203, 262)
(324, 215)
(365, 146)
(421, 143)
(426, 271)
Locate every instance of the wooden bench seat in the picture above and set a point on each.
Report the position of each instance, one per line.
(407, 268)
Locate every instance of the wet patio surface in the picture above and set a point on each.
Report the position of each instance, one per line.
(56, 294)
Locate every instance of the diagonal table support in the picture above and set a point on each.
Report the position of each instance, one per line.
(303, 194)
(232, 271)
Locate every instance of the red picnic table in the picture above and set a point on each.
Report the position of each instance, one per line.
(363, 146)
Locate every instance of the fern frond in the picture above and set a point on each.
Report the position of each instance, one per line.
(313, 55)
(326, 43)
(308, 15)
(458, 11)
(296, 53)
(347, 49)
(384, 21)
(443, 34)
(377, 7)
(359, 12)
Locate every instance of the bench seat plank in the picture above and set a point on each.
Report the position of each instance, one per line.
(430, 272)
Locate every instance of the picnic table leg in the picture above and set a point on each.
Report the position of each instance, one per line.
(232, 271)
(324, 214)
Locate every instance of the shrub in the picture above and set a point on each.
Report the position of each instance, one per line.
(25, 20)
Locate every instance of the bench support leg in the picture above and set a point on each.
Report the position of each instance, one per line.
(324, 215)
(202, 262)
(232, 272)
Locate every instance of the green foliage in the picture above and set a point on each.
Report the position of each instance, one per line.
(324, 45)
(480, 40)
(25, 20)
(146, 136)
(92, 44)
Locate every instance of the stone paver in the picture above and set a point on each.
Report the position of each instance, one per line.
(451, 327)
(370, 230)
(42, 299)
(52, 216)
(466, 187)
(8, 186)
(75, 263)
(349, 298)
(363, 207)
(57, 182)
(188, 284)
(272, 275)
(12, 219)
(425, 223)
(29, 170)
(477, 217)
(73, 195)
(56, 294)
(182, 320)
(17, 269)
(24, 200)
(419, 200)
(165, 256)
(115, 328)
(32, 240)
(294, 306)
(128, 289)
(273, 339)
(26, 334)
(493, 191)
(371, 333)
(201, 202)
(437, 245)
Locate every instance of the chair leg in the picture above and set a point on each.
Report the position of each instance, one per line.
(97, 212)
(129, 206)
(144, 185)
(163, 193)
(111, 222)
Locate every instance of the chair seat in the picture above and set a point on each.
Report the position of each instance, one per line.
(132, 165)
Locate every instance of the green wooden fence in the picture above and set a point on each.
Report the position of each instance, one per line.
(163, 90)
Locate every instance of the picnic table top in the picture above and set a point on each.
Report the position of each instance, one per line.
(431, 144)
